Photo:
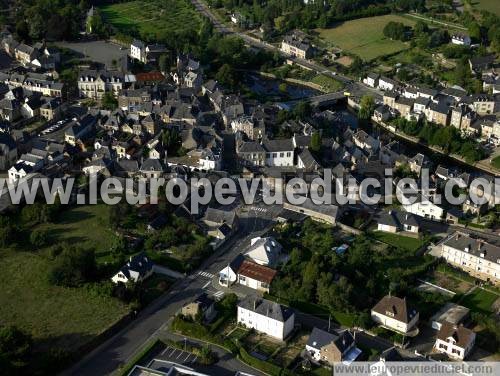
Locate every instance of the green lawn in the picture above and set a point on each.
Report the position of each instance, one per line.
(86, 226)
(489, 5)
(364, 37)
(56, 317)
(151, 19)
(403, 242)
(479, 301)
(328, 84)
(496, 162)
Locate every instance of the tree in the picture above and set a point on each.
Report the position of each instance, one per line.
(15, 348)
(315, 145)
(109, 102)
(366, 107)
(226, 76)
(73, 267)
(39, 237)
(164, 63)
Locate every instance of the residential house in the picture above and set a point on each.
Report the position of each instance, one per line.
(137, 269)
(437, 113)
(423, 208)
(418, 162)
(220, 223)
(51, 109)
(395, 221)
(267, 317)
(251, 154)
(366, 142)
(371, 79)
(455, 341)
(479, 63)
(461, 39)
(404, 106)
(264, 251)
(386, 84)
(462, 117)
(255, 276)
(297, 44)
(138, 51)
(327, 213)
(485, 104)
(254, 130)
(279, 153)
(94, 84)
(450, 313)
(395, 314)
(203, 305)
(390, 98)
(25, 54)
(331, 348)
(382, 113)
(420, 105)
(473, 255)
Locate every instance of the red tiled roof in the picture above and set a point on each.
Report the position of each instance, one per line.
(258, 272)
(149, 76)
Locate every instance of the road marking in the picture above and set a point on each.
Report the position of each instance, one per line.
(219, 294)
(206, 284)
(172, 353)
(178, 356)
(164, 351)
(187, 357)
(194, 360)
(206, 274)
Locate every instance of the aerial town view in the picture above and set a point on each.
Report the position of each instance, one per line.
(250, 187)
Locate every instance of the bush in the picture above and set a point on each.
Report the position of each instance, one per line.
(39, 237)
(262, 365)
(73, 267)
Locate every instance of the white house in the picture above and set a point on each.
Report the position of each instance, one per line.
(473, 255)
(423, 208)
(371, 80)
(137, 269)
(279, 153)
(461, 39)
(455, 341)
(264, 251)
(267, 317)
(386, 84)
(395, 221)
(138, 50)
(394, 314)
(255, 276)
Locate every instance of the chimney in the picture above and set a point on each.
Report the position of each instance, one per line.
(254, 305)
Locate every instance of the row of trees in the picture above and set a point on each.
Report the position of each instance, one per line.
(449, 138)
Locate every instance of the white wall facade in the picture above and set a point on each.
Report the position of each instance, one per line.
(264, 324)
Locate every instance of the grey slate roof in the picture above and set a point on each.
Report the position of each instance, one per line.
(278, 145)
(267, 308)
(398, 219)
(474, 246)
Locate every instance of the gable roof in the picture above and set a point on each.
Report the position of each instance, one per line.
(140, 264)
(258, 272)
(396, 307)
(267, 308)
(266, 250)
(460, 334)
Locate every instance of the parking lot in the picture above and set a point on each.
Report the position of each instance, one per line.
(178, 356)
(101, 51)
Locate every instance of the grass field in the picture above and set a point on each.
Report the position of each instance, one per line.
(58, 317)
(489, 5)
(86, 226)
(152, 19)
(496, 162)
(479, 301)
(403, 242)
(364, 37)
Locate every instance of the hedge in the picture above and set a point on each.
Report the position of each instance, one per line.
(141, 356)
(262, 365)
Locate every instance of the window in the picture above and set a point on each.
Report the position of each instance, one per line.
(288, 154)
(275, 155)
(282, 155)
(242, 278)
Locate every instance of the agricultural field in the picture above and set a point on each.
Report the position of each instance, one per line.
(489, 5)
(152, 19)
(364, 37)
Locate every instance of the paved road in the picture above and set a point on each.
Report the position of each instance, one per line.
(153, 319)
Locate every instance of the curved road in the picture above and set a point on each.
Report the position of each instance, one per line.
(153, 320)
